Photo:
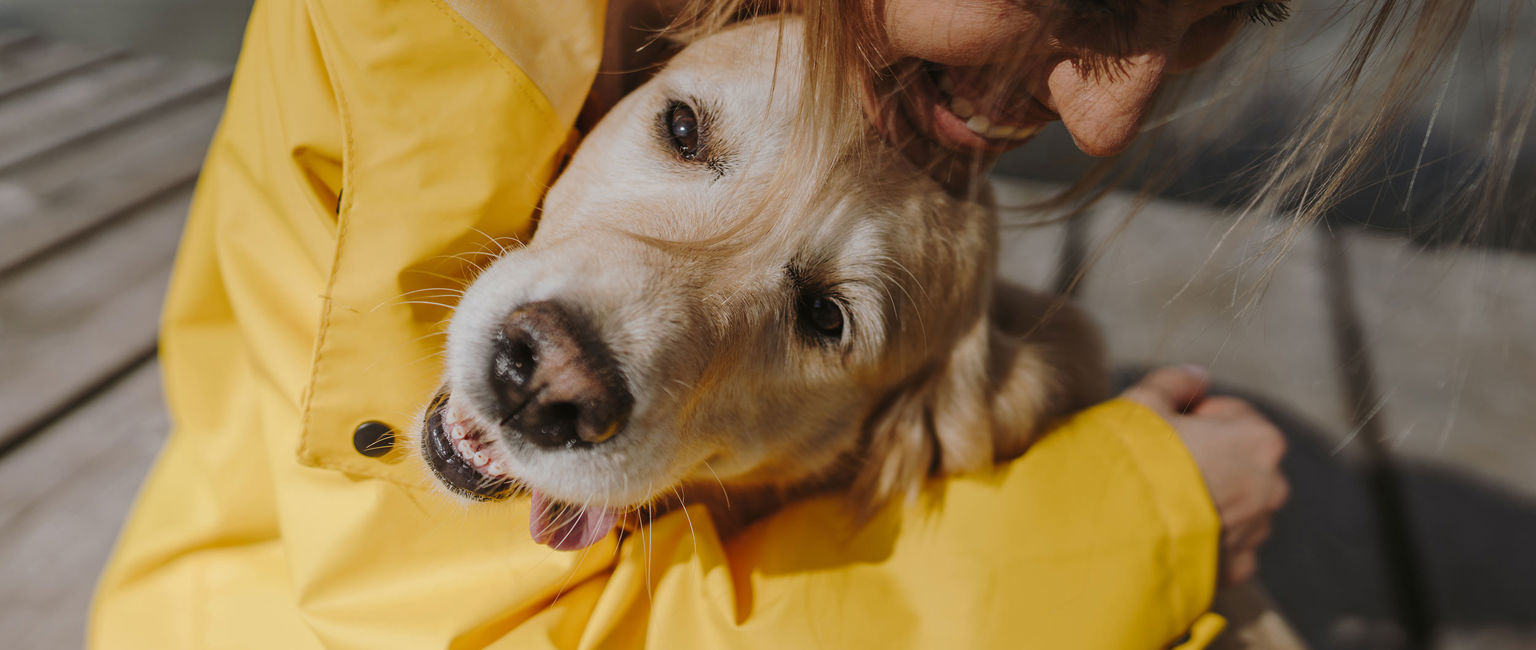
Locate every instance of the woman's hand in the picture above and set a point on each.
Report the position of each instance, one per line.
(1238, 452)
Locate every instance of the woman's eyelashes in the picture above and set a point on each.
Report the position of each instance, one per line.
(1264, 12)
(1122, 13)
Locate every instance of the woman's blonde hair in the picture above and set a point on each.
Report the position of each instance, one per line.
(1393, 54)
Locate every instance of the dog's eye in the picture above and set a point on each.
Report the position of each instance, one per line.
(683, 128)
(822, 316)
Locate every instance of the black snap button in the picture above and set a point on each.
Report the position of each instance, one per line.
(373, 438)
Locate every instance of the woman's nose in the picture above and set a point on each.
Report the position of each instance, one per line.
(1102, 108)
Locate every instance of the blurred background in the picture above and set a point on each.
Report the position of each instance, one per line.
(1395, 342)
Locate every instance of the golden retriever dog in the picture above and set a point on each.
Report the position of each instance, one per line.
(673, 329)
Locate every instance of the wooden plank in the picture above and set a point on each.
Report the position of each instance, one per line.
(98, 99)
(79, 316)
(53, 199)
(12, 39)
(1175, 287)
(27, 67)
(63, 497)
(1453, 338)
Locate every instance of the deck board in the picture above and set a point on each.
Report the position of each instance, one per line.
(1456, 387)
(75, 318)
(13, 39)
(39, 62)
(70, 191)
(62, 499)
(96, 100)
(1183, 283)
(96, 174)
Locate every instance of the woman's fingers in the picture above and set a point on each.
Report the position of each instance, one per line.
(1238, 452)
(1170, 390)
(1237, 569)
(1221, 406)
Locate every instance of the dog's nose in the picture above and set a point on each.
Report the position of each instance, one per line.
(556, 383)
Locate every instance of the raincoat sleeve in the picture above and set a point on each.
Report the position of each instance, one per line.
(367, 146)
(1101, 536)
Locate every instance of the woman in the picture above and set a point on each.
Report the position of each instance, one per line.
(363, 145)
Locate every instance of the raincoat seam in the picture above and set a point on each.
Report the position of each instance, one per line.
(498, 57)
(321, 456)
(306, 452)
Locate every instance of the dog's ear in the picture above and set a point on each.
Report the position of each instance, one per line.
(1031, 359)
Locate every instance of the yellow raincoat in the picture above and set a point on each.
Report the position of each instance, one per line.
(365, 144)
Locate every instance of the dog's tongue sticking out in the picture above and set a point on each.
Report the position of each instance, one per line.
(568, 528)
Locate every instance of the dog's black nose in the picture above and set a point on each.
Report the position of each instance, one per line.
(556, 383)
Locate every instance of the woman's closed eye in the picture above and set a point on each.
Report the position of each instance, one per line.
(1264, 12)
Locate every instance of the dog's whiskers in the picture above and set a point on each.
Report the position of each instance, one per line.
(461, 281)
(477, 266)
(425, 302)
(396, 301)
(682, 504)
(449, 290)
(723, 492)
(497, 240)
(648, 546)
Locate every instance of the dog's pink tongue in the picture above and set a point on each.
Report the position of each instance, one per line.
(567, 528)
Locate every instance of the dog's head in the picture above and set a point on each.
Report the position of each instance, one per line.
(671, 324)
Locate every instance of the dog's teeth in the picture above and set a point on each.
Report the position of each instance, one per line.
(497, 468)
(946, 84)
(464, 447)
(480, 459)
(456, 431)
(978, 124)
(1001, 131)
(962, 107)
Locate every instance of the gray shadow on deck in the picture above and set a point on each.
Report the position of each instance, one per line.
(1325, 563)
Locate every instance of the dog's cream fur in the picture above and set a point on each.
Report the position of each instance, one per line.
(690, 275)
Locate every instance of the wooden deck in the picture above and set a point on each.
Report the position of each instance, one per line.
(1405, 378)
(98, 154)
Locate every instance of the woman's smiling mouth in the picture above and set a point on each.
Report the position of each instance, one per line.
(958, 109)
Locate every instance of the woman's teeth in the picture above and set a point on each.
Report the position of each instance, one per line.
(980, 124)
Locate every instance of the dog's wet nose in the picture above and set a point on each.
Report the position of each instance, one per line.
(556, 383)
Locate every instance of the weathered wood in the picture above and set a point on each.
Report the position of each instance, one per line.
(79, 316)
(63, 497)
(1454, 335)
(93, 101)
(11, 39)
(1183, 283)
(23, 68)
(61, 196)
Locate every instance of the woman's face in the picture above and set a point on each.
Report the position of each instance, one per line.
(984, 76)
